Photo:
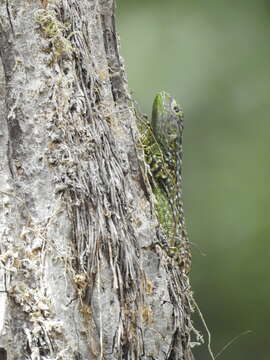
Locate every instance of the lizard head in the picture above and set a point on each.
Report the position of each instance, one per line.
(167, 121)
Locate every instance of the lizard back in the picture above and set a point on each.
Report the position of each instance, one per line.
(162, 140)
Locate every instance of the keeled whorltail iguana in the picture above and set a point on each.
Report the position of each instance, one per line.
(162, 143)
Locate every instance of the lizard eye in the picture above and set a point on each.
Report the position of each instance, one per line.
(176, 109)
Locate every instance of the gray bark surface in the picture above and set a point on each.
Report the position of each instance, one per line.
(80, 274)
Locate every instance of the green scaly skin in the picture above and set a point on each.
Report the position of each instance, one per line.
(162, 143)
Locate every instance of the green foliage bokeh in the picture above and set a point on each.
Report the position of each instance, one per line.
(213, 57)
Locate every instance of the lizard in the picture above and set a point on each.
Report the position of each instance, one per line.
(162, 142)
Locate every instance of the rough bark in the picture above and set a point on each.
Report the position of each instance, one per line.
(81, 276)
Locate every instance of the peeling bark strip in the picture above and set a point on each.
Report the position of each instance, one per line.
(81, 276)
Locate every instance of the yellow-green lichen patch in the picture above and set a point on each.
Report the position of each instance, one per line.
(56, 32)
(49, 24)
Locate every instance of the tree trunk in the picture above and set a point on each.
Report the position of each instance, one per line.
(81, 276)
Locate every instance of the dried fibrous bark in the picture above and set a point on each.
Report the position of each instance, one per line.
(82, 275)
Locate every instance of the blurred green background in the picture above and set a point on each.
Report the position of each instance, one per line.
(213, 56)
